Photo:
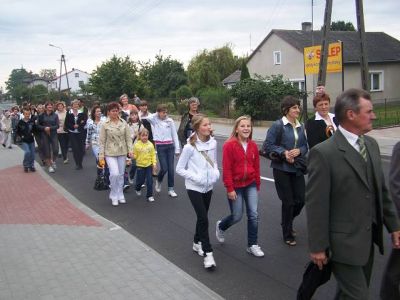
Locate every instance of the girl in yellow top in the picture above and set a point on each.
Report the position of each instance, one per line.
(145, 156)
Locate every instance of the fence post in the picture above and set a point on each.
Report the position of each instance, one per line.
(385, 108)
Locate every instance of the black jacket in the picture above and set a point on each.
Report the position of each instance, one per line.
(48, 120)
(25, 130)
(70, 121)
(316, 131)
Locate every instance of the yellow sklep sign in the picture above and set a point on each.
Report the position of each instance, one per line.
(312, 57)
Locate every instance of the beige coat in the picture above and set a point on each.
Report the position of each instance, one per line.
(115, 139)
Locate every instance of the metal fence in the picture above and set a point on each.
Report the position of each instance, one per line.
(387, 112)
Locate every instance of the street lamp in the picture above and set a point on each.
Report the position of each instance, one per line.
(65, 67)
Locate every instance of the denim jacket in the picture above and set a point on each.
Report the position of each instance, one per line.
(287, 143)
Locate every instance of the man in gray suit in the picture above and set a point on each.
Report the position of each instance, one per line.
(390, 289)
(347, 202)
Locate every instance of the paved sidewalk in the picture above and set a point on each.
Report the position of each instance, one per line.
(54, 247)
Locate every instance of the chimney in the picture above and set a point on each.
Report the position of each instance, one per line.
(306, 26)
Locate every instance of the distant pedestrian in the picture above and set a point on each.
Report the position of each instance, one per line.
(6, 128)
(144, 154)
(15, 117)
(61, 133)
(135, 126)
(198, 165)
(323, 124)
(115, 144)
(241, 176)
(48, 125)
(35, 114)
(167, 144)
(126, 107)
(24, 130)
(390, 288)
(143, 113)
(75, 123)
(287, 139)
(185, 127)
(93, 134)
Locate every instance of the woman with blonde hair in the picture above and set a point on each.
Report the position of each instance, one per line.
(241, 176)
(198, 165)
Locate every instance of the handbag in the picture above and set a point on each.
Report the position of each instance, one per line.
(99, 183)
(272, 155)
(300, 163)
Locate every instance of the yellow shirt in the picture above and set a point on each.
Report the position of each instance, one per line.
(145, 154)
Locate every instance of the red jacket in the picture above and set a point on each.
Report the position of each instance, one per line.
(240, 168)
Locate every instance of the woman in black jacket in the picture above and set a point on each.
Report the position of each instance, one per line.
(323, 124)
(75, 122)
(48, 124)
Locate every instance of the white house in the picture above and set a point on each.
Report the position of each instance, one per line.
(75, 77)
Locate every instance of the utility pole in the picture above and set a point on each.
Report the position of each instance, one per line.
(324, 47)
(62, 61)
(363, 50)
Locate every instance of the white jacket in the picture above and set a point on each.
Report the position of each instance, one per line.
(163, 130)
(198, 173)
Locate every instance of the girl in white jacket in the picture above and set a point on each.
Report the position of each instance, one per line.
(198, 165)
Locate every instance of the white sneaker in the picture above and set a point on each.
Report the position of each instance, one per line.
(209, 261)
(255, 250)
(150, 199)
(65, 161)
(197, 248)
(172, 194)
(51, 169)
(122, 200)
(139, 193)
(114, 202)
(54, 165)
(158, 186)
(130, 180)
(219, 233)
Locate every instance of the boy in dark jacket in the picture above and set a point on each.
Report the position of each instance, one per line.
(25, 128)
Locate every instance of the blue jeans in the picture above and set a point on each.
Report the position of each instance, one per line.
(166, 155)
(247, 195)
(29, 154)
(132, 172)
(142, 175)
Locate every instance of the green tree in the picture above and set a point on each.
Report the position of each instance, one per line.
(260, 98)
(15, 84)
(163, 76)
(215, 100)
(244, 74)
(115, 77)
(209, 68)
(342, 26)
(184, 92)
(48, 74)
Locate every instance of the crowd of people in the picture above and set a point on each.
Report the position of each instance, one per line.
(346, 199)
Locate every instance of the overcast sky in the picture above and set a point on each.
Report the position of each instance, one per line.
(90, 31)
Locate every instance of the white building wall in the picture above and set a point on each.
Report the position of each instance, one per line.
(74, 79)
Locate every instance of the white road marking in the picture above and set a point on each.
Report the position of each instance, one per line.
(267, 179)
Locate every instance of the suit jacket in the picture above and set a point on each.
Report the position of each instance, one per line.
(338, 201)
(70, 121)
(316, 131)
(394, 176)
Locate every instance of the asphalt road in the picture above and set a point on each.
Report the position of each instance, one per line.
(167, 225)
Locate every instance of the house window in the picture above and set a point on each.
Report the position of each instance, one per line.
(298, 83)
(376, 81)
(277, 57)
(76, 75)
(80, 83)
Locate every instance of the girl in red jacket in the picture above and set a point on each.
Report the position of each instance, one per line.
(241, 176)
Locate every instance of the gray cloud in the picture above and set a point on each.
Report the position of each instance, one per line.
(90, 31)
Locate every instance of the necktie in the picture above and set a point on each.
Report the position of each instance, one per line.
(363, 149)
